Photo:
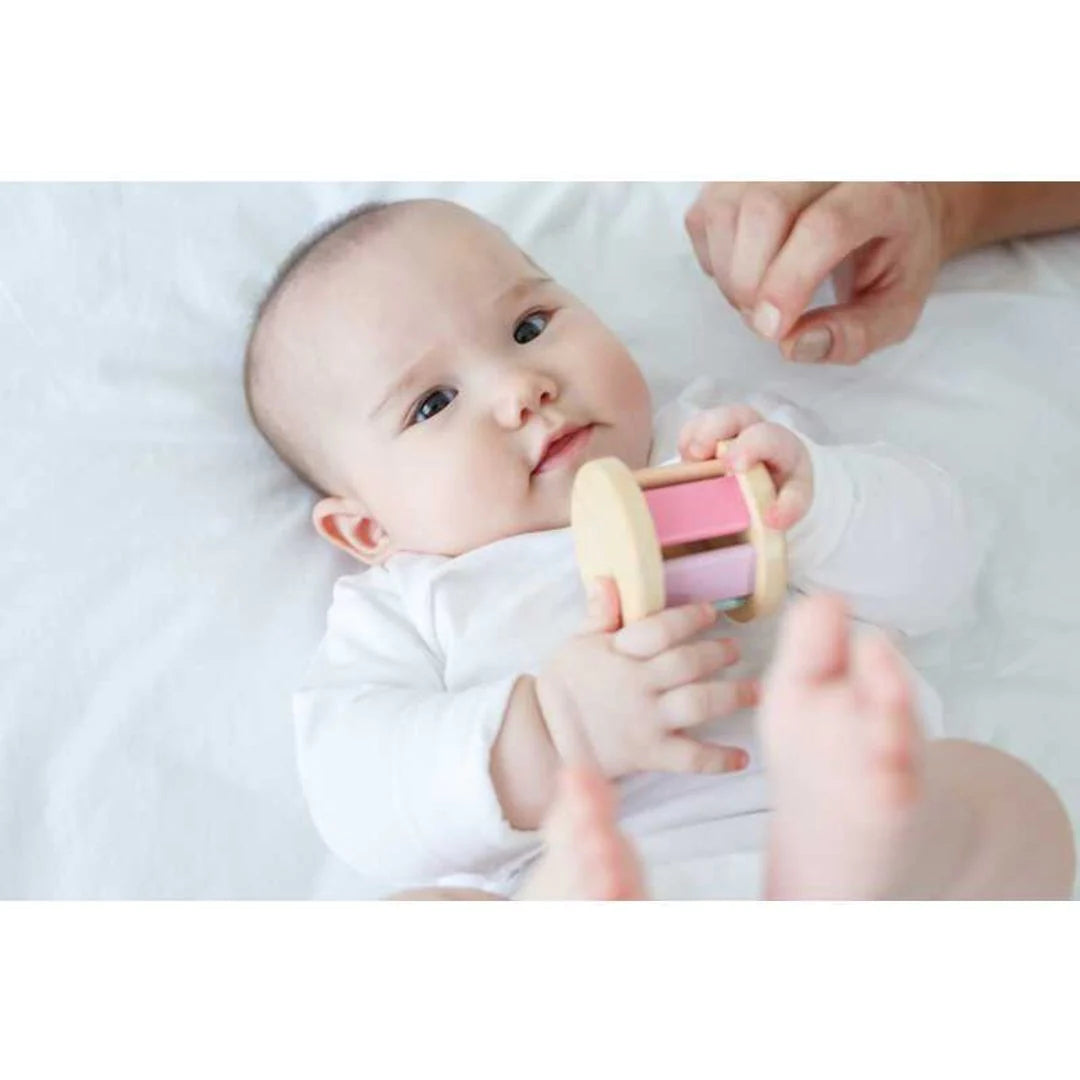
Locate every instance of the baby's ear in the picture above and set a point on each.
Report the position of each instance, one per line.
(347, 525)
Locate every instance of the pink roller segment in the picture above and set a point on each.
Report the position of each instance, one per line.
(699, 510)
(710, 575)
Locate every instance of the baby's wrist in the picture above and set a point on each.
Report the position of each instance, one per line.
(812, 539)
(524, 762)
(551, 707)
(560, 716)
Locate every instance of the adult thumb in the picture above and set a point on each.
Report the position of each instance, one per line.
(848, 333)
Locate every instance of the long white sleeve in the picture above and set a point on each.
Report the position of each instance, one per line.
(395, 768)
(887, 529)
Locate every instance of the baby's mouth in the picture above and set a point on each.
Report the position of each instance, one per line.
(564, 450)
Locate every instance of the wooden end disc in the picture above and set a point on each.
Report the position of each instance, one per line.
(614, 536)
(770, 546)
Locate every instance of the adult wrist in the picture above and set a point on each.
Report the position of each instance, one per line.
(958, 209)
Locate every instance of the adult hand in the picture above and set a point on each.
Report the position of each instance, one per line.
(770, 246)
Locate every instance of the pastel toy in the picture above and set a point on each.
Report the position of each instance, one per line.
(678, 534)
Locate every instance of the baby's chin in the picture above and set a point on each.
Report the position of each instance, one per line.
(553, 514)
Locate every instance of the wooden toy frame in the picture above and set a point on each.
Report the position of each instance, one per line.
(615, 535)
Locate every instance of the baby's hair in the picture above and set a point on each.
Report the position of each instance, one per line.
(337, 235)
(283, 444)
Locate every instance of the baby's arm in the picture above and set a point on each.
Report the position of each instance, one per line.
(410, 783)
(888, 531)
(618, 701)
(394, 767)
(881, 526)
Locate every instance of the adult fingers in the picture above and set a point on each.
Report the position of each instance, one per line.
(842, 220)
(848, 333)
(714, 214)
(766, 215)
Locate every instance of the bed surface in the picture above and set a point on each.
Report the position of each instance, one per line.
(163, 589)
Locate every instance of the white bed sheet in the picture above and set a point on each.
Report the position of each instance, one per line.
(161, 586)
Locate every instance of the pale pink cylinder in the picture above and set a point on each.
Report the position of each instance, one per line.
(721, 574)
(698, 510)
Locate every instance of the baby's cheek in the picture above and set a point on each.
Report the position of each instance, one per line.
(476, 500)
(634, 416)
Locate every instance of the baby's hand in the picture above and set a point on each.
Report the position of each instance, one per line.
(755, 441)
(619, 700)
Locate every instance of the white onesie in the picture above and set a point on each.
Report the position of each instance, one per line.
(404, 699)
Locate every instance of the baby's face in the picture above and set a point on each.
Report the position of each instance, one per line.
(468, 388)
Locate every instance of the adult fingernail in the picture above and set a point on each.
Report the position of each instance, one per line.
(766, 319)
(739, 759)
(813, 346)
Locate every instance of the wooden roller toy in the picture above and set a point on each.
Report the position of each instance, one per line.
(679, 534)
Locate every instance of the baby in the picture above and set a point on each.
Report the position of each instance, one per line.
(439, 391)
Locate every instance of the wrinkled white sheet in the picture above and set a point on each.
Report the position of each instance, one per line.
(162, 590)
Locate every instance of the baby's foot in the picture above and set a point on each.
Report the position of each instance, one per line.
(585, 857)
(842, 749)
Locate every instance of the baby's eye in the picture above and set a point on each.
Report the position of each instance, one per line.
(532, 326)
(432, 404)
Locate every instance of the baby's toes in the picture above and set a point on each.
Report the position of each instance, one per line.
(813, 645)
(892, 734)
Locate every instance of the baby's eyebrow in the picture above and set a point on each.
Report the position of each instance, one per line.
(395, 388)
(518, 291)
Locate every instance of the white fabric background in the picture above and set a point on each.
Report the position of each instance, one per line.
(162, 589)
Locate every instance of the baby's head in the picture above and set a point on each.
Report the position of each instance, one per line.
(438, 389)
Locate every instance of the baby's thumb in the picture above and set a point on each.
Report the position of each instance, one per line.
(602, 615)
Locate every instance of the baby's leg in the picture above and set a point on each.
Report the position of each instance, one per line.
(865, 808)
(585, 856)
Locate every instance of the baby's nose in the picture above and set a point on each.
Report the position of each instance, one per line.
(525, 393)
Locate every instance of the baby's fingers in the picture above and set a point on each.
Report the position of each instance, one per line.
(698, 439)
(680, 754)
(700, 702)
(792, 502)
(657, 633)
(603, 614)
(770, 445)
(691, 663)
